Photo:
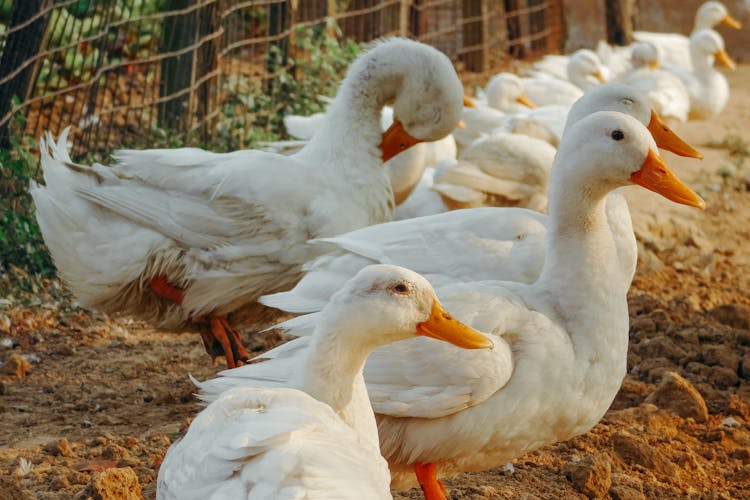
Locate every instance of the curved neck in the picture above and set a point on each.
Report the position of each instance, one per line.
(352, 124)
(333, 368)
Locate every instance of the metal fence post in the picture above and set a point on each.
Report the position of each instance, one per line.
(20, 47)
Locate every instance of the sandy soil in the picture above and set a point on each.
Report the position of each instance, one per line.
(89, 404)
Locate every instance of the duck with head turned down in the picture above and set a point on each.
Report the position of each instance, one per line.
(187, 236)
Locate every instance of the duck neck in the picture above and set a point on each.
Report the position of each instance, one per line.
(581, 250)
(352, 125)
(333, 370)
(703, 64)
(583, 286)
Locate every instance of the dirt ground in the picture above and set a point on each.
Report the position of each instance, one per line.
(89, 402)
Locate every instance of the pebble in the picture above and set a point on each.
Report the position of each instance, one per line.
(734, 315)
(5, 324)
(592, 475)
(120, 483)
(7, 343)
(730, 422)
(721, 355)
(60, 447)
(635, 451)
(16, 366)
(678, 396)
(626, 487)
(32, 358)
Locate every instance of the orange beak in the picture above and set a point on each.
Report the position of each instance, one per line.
(724, 59)
(654, 175)
(524, 99)
(731, 22)
(599, 76)
(395, 140)
(665, 138)
(468, 102)
(442, 326)
(653, 64)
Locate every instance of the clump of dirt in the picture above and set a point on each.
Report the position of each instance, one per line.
(105, 397)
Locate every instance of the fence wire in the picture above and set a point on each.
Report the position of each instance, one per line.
(119, 71)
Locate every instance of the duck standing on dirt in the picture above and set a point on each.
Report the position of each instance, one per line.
(315, 437)
(560, 343)
(180, 236)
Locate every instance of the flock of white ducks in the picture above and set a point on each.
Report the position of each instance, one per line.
(187, 236)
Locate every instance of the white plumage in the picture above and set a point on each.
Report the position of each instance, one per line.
(583, 71)
(706, 86)
(472, 244)
(500, 170)
(302, 427)
(674, 48)
(560, 343)
(666, 93)
(226, 228)
(271, 443)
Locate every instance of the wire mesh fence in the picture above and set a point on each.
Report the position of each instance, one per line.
(121, 71)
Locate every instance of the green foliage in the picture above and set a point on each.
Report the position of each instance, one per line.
(21, 243)
(254, 112)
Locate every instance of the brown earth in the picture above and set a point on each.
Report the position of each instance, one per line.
(89, 404)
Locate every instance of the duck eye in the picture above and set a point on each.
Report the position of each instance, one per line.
(400, 288)
(618, 135)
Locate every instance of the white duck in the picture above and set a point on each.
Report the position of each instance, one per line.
(474, 244)
(560, 343)
(583, 70)
(504, 94)
(666, 93)
(621, 60)
(423, 200)
(186, 235)
(316, 436)
(707, 87)
(500, 170)
(405, 170)
(674, 48)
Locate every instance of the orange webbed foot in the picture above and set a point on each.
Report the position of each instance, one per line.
(428, 481)
(220, 338)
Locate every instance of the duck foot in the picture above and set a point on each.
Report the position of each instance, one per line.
(428, 481)
(221, 339)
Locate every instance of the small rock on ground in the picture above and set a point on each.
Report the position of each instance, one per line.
(591, 475)
(119, 483)
(677, 395)
(17, 367)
